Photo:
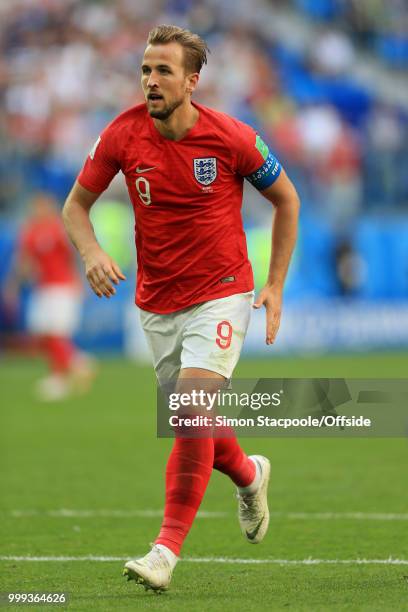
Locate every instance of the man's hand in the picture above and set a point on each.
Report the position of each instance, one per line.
(271, 298)
(101, 272)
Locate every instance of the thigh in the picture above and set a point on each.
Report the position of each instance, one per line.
(164, 338)
(54, 310)
(214, 334)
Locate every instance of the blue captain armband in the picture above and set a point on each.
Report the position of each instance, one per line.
(265, 175)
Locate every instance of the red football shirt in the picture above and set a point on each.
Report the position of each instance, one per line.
(187, 199)
(45, 243)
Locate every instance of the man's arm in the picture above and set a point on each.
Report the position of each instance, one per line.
(101, 270)
(284, 197)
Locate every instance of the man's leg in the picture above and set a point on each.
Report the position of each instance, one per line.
(60, 353)
(208, 340)
(230, 459)
(53, 316)
(213, 340)
(190, 462)
(188, 469)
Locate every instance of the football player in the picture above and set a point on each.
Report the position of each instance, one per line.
(185, 165)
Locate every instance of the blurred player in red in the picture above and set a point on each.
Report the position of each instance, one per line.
(45, 258)
(184, 166)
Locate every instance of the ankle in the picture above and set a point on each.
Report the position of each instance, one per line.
(253, 486)
(171, 557)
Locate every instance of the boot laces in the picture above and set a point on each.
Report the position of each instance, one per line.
(248, 506)
(156, 559)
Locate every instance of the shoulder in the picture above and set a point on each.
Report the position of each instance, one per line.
(130, 116)
(127, 120)
(216, 117)
(221, 120)
(231, 131)
(117, 133)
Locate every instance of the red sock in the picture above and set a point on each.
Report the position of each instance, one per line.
(59, 351)
(230, 459)
(187, 474)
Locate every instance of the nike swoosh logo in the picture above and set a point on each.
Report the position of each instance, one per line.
(139, 170)
(251, 535)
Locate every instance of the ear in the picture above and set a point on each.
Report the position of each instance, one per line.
(192, 81)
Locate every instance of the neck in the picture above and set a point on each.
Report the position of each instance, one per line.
(179, 123)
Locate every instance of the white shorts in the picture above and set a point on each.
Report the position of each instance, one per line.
(208, 336)
(54, 310)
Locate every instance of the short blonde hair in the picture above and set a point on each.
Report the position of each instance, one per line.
(195, 48)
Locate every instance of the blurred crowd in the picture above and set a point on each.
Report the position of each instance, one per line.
(379, 26)
(68, 66)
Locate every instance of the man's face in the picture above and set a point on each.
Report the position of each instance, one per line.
(42, 206)
(164, 81)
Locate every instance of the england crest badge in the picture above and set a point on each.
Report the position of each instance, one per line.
(205, 170)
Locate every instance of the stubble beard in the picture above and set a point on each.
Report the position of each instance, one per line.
(168, 110)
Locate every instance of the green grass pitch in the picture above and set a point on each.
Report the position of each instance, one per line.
(97, 457)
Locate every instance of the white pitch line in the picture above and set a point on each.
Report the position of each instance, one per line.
(324, 516)
(67, 513)
(308, 561)
(70, 513)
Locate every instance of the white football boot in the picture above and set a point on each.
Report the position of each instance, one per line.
(253, 512)
(52, 388)
(152, 571)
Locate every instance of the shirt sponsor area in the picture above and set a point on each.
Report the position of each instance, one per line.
(317, 326)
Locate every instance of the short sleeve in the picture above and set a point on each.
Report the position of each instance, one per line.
(253, 159)
(102, 163)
